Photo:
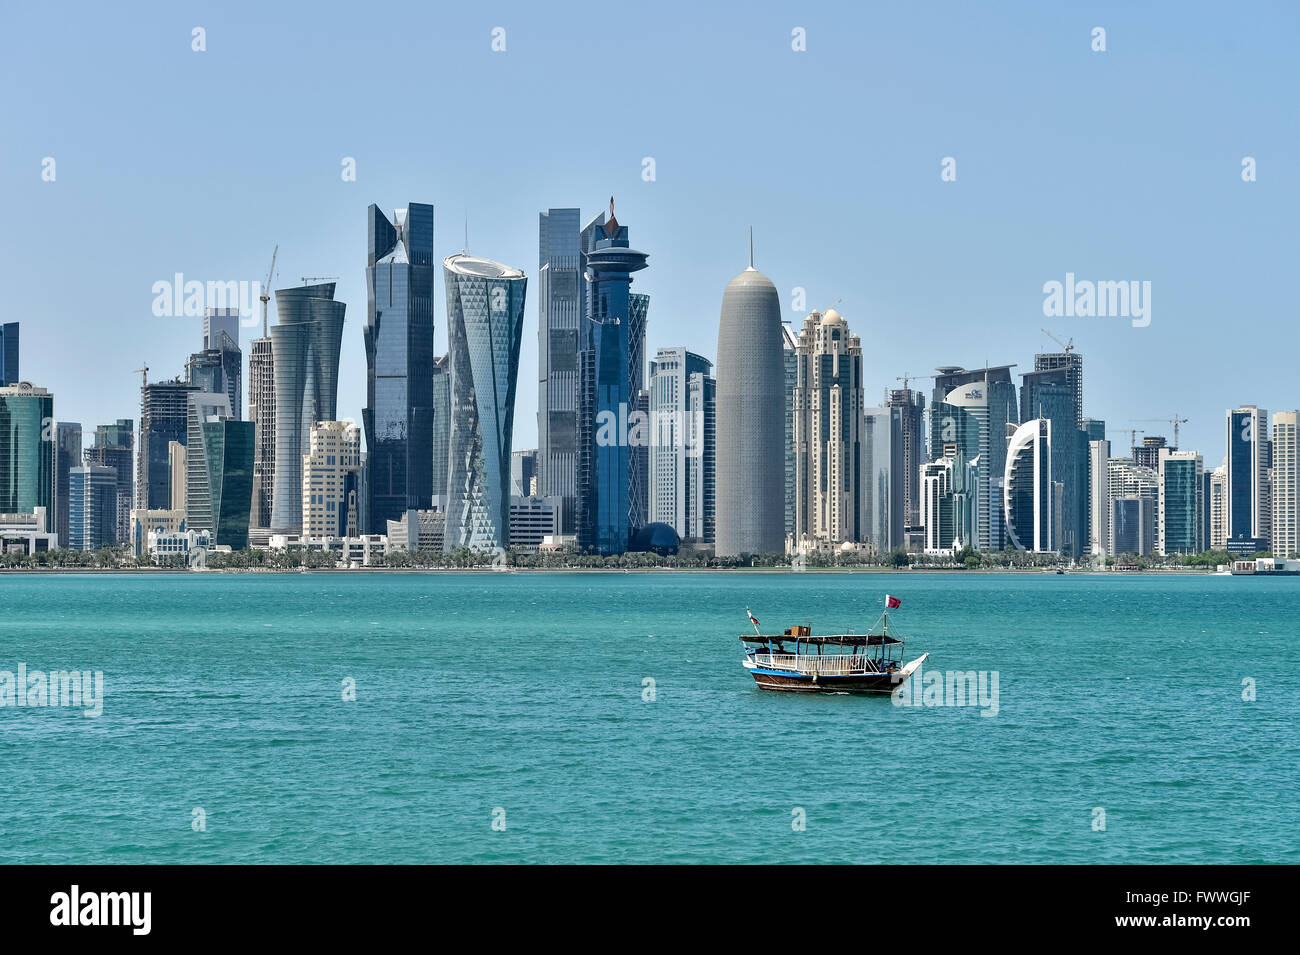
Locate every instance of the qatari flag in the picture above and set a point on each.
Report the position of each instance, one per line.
(892, 602)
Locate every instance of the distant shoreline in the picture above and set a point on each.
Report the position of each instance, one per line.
(774, 571)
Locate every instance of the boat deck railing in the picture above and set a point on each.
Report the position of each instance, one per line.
(831, 664)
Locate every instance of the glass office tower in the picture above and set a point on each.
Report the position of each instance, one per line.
(1248, 510)
(92, 507)
(561, 310)
(8, 354)
(163, 413)
(1180, 526)
(485, 324)
(605, 398)
(26, 450)
(227, 451)
(305, 346)
(114, 447)
(398, 416)
(67, 455)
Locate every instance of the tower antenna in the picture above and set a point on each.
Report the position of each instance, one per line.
(751, 247)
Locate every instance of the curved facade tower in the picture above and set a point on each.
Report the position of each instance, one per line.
(1028, 494)
(485, 324)
(305, 345)
(750, 419)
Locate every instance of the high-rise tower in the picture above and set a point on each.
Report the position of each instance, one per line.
(398, 416)
(604, 392)
(305, 345)
(485, 323)
(750, 418)
(561, 307)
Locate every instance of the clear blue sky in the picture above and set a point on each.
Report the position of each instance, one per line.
(1117, 165)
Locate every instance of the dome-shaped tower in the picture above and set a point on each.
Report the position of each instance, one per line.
(750, 418)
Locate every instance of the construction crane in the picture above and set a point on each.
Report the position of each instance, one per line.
(266, 289)
(144, 376)
(905, 378)
(319, 278)
(1131, 432)
(1067, 347)
(1175, 421)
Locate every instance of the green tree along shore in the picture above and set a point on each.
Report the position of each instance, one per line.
(297, 558)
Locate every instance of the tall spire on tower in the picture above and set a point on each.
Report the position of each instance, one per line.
(751, 249)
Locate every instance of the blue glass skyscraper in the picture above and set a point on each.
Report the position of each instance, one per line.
(605, 399)
(561, 311)
(398, 416)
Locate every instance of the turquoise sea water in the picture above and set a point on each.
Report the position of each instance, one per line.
(524, 693)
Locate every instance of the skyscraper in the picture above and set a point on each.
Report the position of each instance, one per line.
(939, 516)
(163, 419)
(702, 462)
(177, 475)
(1179, 527)
(561, 311)
(261, 411)
(671, 451)
(959, 428)
(1285, 524)
(1218, 531)
(221, 334)
(67, 455)
(791, 360)
(92, 507)
(115, 447)
(882, 487)
(228, 454)
(441, 425)
(523, 471)
(9, 354)
(605, 398)
(828, 422)
(1248, 505)
(398, 416)
(1099, 497)
(638, 488)
(1124, 480)
(305, 345)
(751, 413)
(330, 473)
(1028, 489)
(1053, 392)
(1132, 523)
(219, 470)
(26, 451)
(1147, 453)
(485, 315)
(907, 407)
(201, 407)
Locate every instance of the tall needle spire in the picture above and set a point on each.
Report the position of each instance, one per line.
(751, 247)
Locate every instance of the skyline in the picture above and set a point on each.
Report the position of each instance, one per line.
(1122, 165)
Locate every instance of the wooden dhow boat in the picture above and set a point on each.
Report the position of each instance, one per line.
(797, 661)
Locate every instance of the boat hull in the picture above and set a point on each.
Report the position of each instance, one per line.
(792, 681)
(804, 683)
